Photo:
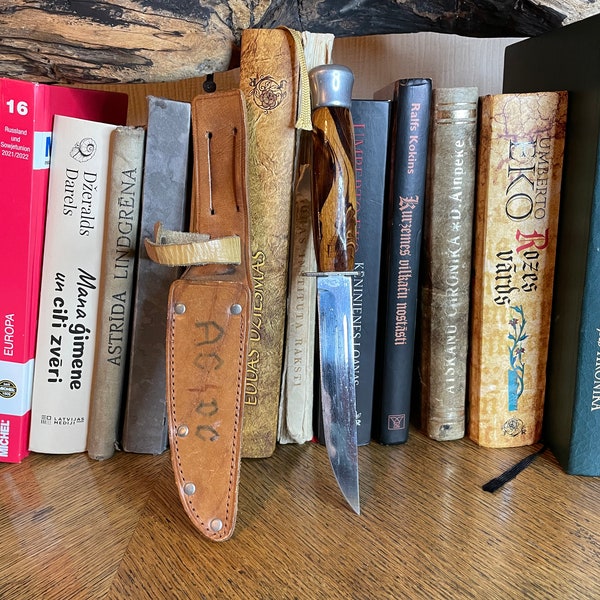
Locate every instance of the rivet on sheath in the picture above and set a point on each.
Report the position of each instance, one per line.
(235, 309)
(216, 525)
(183, 430)
(180, 309)
(189, 489)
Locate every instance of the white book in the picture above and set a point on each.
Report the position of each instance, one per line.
(69, 292)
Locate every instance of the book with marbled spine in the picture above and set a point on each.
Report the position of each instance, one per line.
(269, 75)
(165, 199)
(446, 272)
(521, 148)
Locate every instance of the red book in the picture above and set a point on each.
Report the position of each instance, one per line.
(26, 115)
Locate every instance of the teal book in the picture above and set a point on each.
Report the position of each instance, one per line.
(569, 59)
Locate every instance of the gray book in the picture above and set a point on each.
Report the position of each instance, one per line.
(164, 199)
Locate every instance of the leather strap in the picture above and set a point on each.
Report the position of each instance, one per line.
(208, 323)
(179, 248)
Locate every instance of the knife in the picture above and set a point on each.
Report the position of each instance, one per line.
(334, 210)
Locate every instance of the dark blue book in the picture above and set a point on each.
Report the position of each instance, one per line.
(569, 59)
(371, 126)
(409, 133)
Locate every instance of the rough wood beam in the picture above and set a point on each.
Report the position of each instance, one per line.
(151, 40)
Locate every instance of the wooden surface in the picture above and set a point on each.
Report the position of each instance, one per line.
(154, 40)
(74, 528)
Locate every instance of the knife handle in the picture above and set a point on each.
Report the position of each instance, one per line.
(333, 182)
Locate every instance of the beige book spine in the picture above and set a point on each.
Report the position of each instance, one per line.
(269, 75)
(116, 289)
(296, 402)
(521, 150)
(447, 239)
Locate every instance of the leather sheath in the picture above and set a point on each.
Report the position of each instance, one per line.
(208, 323)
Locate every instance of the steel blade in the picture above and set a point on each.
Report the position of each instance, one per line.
(338, 394)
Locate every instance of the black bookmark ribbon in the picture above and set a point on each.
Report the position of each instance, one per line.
(495, 484)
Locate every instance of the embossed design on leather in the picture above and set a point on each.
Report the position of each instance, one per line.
(271, 150)
(267, 93)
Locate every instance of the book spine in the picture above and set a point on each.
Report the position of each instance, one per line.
(571, 415)
(23, 206)
(165, 192)
(371, 126)
(409, 138)
(297, 396)
(446, 273)
(69, 292)
(585, 442)
(269, 82)
(116, 289)
(521, 148)
(296, 404)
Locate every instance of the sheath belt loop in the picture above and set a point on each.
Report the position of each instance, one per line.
(184, 249)
(208, 318)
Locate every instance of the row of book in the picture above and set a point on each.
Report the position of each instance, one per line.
(514, 359)
(487, 296)
(453, 326)
(27, 121)
(482, 301)
(415, 296)
(94, 317)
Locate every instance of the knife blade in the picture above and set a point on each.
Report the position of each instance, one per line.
(334, 216)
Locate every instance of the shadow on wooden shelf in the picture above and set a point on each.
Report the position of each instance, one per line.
(75, 528)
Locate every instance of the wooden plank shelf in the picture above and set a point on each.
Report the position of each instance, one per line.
(75, 528)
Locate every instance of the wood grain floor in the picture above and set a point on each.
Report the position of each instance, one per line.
(71, 528)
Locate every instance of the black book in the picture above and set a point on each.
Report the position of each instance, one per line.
(409, 133)
(371, 125)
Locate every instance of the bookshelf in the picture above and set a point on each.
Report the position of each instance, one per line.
(75, 528)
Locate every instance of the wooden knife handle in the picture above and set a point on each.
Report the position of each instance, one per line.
(334, 188)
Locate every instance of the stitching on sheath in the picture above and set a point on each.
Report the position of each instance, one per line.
(236, 421)
(236, 427)
(238, 404)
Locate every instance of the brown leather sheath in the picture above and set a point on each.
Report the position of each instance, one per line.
(208, 323)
